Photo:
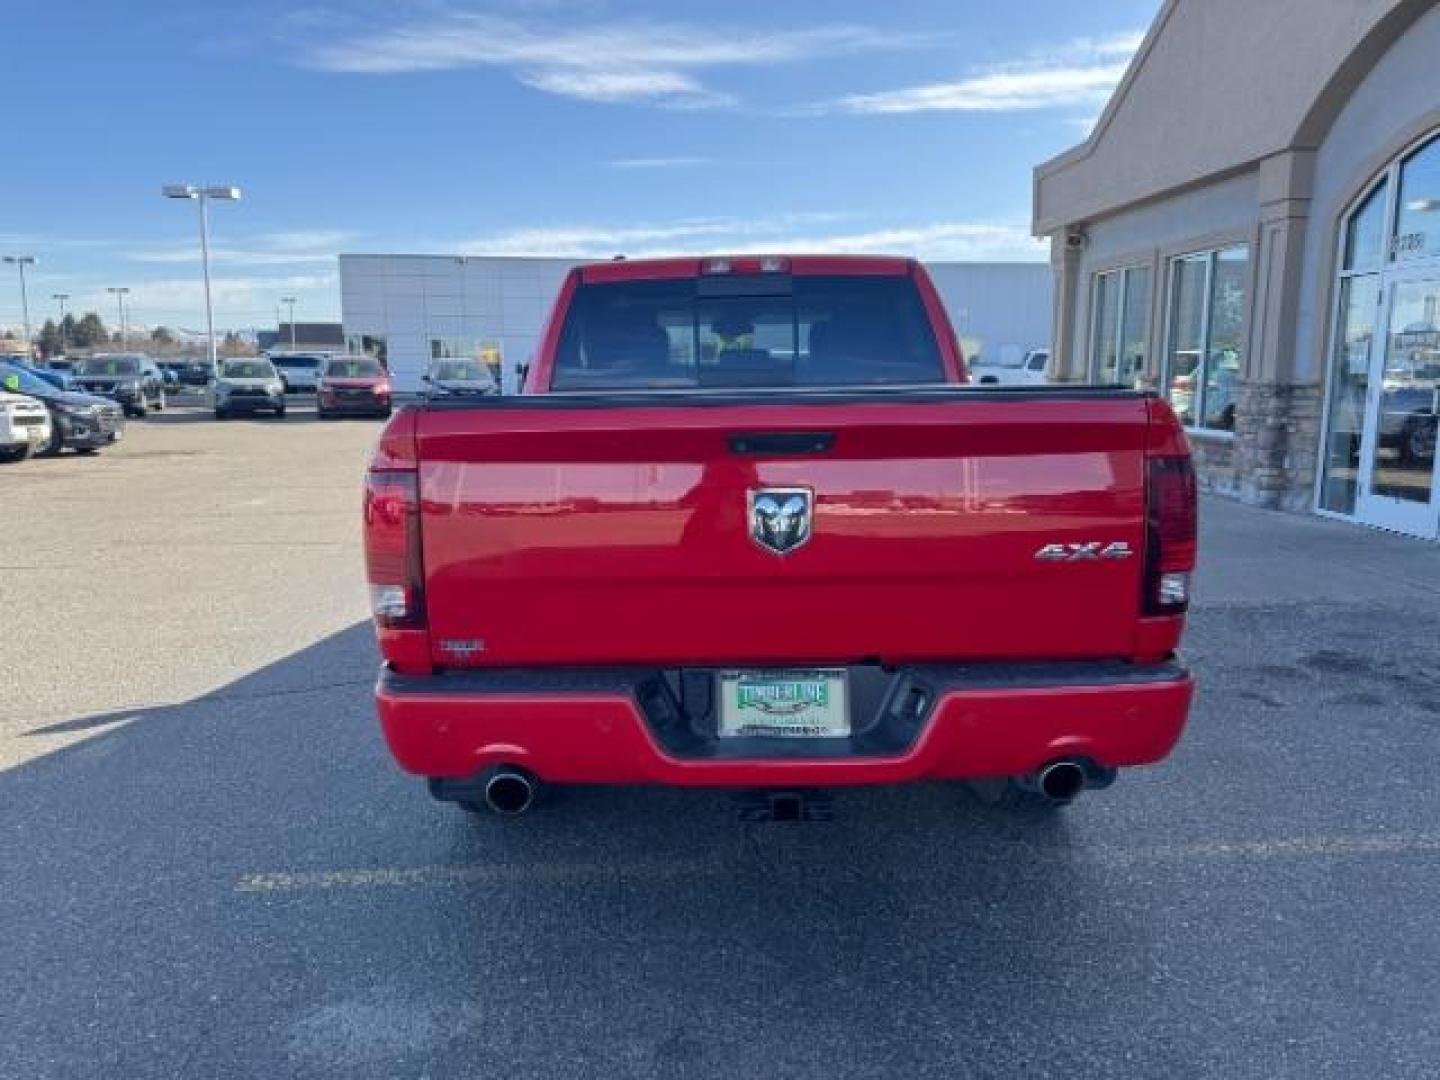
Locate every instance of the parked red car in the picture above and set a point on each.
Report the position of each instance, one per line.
(747, 526)
(352, 386)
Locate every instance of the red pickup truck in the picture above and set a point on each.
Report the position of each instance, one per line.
(747, 526)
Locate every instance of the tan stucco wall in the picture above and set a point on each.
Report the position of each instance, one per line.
(1397, 103)
(1220, 135)
(1218, 84)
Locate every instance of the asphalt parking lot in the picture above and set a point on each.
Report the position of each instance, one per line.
(210, 868)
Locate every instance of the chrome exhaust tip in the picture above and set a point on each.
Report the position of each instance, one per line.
(1061, 781)
(510, 792)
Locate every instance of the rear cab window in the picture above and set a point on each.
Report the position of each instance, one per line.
(765, 330)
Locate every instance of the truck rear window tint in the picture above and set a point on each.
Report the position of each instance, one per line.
(821, 331)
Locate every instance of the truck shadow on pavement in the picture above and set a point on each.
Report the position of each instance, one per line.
(248, 875)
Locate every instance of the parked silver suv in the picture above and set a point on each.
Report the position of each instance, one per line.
(248, 386)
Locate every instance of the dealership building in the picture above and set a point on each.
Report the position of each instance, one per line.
(1253, 228)
(412, 309)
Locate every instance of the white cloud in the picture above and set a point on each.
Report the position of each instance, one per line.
(228, 256)
(949, 240)
(247, 293)
(293, 248)
(239, 300)
(596, 240)
(793, 234)
(1081, 73)
(659, 162)
(307, 239)
(655, 63)
(671, 87)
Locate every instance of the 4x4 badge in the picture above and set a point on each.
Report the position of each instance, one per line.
(1087, 552)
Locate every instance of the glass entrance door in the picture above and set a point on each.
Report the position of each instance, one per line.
(1398, 487)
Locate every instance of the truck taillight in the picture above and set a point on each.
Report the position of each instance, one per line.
(1170, 534)
(392, 549)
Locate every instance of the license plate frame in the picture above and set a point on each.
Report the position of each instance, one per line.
(792, 703)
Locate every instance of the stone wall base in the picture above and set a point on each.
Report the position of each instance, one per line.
(1271, 458)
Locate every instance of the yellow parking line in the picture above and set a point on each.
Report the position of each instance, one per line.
(1297, 847)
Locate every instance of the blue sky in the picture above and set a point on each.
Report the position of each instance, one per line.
(545, 127)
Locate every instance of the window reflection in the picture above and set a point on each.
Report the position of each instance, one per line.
(1134, 325)
(1209, 294)
(1225, 343)
(1349, 382)
(1365, 234)
(1410, 394)
(1187, 333)
(1105, 336)
(1417, 235)
(1120, 317)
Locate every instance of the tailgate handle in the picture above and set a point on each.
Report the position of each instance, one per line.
(782, 442)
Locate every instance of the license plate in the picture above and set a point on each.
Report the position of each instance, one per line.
(784, 704)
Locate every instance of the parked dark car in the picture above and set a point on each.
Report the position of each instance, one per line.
(1408, 420)
(81, 422)
(353, 386)
(132, 379)
(185, 372)
(459, 377)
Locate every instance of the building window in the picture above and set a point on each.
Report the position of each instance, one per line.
(453, 349)
(1417, 233)
(1377, 458)
(1349, 385)
(369, 345)
(1120, 325)
(1205, 336)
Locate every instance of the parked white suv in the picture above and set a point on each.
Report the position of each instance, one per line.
(299, 372)
(24, 426)
(1013, 370)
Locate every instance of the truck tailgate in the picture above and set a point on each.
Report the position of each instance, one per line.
(563, 532)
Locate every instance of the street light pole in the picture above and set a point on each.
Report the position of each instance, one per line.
(203, 202)
(20, 262)
(62, 297)
(120, 292)
(203, 195)
(290, 300)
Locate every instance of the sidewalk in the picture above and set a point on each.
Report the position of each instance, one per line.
(1253, 556)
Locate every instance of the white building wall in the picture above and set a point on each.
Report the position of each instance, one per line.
(412, 300)
(998, 309)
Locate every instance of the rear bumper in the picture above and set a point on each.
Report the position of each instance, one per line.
(90, 432)
(251, 404)
(582, 727)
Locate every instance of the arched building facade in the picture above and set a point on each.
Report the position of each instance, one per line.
(1253, 229)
